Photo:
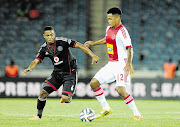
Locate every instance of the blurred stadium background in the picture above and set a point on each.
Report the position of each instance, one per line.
(153, 27)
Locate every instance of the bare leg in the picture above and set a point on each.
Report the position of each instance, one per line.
(122, 91)
(94, 84)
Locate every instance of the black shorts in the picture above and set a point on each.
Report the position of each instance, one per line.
(57, 79)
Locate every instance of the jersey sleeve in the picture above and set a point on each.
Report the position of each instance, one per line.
(70, 43)
(41, 54)
(125, 38)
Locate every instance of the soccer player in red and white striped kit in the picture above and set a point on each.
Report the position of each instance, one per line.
(118, 68)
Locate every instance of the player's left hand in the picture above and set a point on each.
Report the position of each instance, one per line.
(128, 68)
(88, 43)
(95, 59)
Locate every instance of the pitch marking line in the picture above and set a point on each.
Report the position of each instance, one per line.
(9, 114)
(114, 114)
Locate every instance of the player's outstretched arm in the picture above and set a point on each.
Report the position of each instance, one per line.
(89, 43)
(88, 51)
(32, 65)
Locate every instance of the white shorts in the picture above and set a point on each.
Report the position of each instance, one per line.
(113, 70)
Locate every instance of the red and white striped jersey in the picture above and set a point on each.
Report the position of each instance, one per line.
(117, 40)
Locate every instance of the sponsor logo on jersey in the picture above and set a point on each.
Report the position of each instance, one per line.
(110, 49)
(60, 62)
(60, 48)
(56, 59)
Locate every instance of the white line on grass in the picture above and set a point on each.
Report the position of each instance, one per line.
(63, 115)
(17, 114)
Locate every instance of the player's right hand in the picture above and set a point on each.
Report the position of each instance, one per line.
(132, 69)
(26, 71)
(95, 59)
(88, 43)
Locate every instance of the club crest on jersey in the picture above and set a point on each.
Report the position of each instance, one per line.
(60, 48)
(113, 36)
(56, 59)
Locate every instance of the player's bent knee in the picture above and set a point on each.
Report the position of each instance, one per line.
(43, 94)
(94, 84)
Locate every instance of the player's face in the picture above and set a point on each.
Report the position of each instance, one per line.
(113, 20)
(49, 36)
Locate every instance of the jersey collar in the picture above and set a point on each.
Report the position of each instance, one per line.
(118, 27)
(51, 44)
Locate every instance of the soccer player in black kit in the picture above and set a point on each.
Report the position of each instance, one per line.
(65, 68)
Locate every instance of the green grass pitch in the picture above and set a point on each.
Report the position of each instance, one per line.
(16, 112)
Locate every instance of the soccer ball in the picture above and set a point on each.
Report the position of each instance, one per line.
(87, 115)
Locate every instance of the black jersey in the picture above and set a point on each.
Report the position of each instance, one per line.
(59, 53)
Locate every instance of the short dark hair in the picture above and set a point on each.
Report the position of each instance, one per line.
(170, 59)
(11, 62)
(48, 28)
(114, 11)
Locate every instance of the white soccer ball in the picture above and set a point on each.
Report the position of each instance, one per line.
(87, 115)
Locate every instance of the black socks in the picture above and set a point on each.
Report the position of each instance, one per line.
(41, 102)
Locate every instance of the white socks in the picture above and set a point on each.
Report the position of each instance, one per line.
(99, 94)
(130, 102)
